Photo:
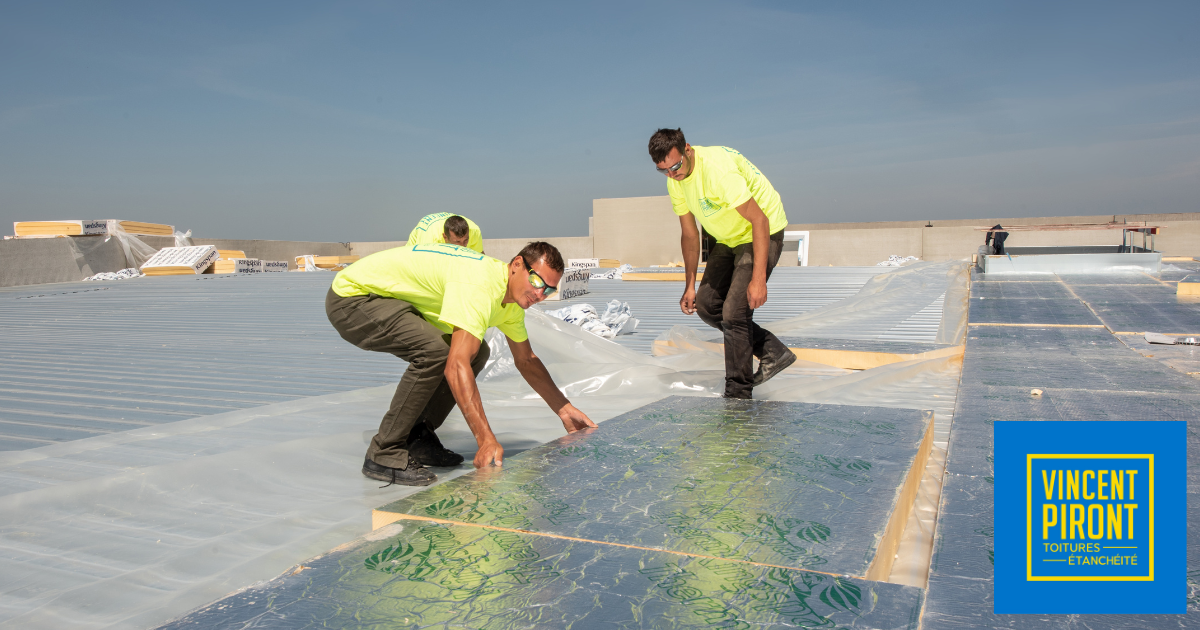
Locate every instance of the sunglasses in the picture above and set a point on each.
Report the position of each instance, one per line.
(538, 282)
(670, 169)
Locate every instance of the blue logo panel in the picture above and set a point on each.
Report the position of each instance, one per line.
(1090, 517)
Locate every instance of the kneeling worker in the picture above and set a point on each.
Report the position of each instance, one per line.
(738, 206)
(443, 227)
(430, 305)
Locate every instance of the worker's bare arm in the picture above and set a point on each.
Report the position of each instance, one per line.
(539, 379)
(756, 292)
(460, 376)
(689, 242)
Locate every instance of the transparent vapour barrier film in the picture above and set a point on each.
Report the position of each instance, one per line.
(131, 529)
(887, 302)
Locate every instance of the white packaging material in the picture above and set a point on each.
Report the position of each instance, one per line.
(197, 258)
(123, 274)
(574, 283)
(274, 265)
(616, 319)
(247, 265)
(582, 263)
(897, 261)
(615, 274)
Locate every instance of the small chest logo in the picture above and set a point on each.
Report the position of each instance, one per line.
(708, 207)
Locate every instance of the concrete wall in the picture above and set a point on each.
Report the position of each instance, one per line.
(278, 250)
(641, 231)
(499, 248)
(869, 243)
(644, 231)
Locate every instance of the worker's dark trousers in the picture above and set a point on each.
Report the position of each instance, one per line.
(389, 325)
(721, 303)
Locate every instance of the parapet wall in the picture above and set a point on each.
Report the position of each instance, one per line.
(641, 231)
(645, 231)
(842, 244)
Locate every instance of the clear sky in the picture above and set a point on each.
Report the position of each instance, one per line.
(349, 121)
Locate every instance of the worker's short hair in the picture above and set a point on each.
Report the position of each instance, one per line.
(663, 141)
(543, 251)
(455, 227)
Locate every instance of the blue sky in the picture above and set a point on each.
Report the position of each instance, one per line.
(349, 121)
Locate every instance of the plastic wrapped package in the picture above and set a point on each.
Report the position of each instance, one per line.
(137, 252)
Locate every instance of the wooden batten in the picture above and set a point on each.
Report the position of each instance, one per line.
(845, 359)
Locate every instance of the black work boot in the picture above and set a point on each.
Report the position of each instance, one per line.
(425, 446)
(772, 364)
(414, 475)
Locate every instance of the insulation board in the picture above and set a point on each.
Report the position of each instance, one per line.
(432, 575)
(1058, 311)
(791, 484)
(1084, 374)
(1141, 308)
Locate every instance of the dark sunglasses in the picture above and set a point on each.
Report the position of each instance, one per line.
(538, 282)
(671, 169)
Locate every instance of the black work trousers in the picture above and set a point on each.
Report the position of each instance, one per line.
(394, 326)
(721, 303)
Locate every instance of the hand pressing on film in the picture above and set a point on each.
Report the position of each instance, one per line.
(573, 419)
(687, 303)
(489, 451)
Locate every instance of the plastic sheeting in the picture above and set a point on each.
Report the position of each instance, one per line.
(134, 528)
(446, 576)
(786, 484)
(137, 252)
(885, 302)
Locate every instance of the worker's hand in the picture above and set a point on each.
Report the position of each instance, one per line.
(756, 293)
(687, 303)
(573, 419)
(489, 451)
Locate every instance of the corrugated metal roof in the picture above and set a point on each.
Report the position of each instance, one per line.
(85, 359)
(922, 326)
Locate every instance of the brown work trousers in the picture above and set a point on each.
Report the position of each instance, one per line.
(381, 324)
(721, 303)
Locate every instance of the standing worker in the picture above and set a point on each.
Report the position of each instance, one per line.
(430, 305)
(737, 206)
(443, 227)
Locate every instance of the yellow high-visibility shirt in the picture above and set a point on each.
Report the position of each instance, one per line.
(432, 229)
(721, 180)
(449, 285)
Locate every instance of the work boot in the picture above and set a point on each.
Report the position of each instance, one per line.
(770, 365)
(425, 446)
(414, 475)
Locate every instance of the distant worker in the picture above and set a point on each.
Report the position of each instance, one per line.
(738, 207)
(430, 305)
(443, 227)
